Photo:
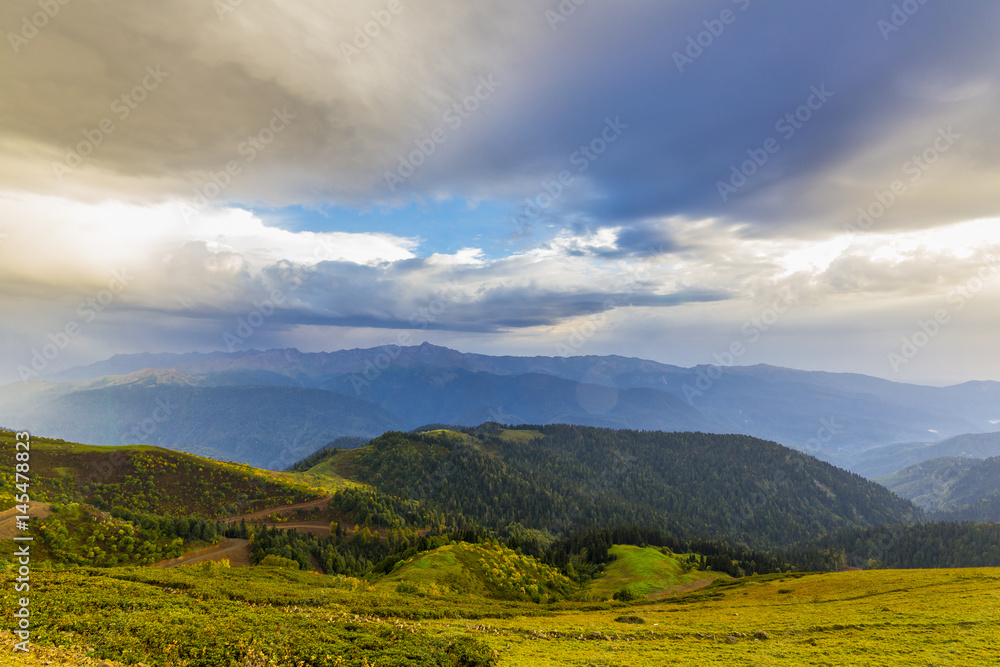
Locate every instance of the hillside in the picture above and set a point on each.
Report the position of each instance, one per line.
(218, 617)
(646, 571)
(489, 570)
(562, 478)
(421, 578)
(946, 485)
(145, 479)
(893, 458)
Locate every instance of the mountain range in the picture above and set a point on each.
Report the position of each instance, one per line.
(270, 408)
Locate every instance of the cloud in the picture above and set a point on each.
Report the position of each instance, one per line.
(222, 77)
(150, 139)
(356, 114)
(223, 263)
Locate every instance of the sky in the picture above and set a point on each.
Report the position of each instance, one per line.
(803, 184)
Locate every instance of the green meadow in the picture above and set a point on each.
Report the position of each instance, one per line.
(215, 616)
(647, 571)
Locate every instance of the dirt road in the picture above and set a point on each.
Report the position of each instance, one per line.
(317, 528)
(260, 514)
(237, 551)
(8, 518)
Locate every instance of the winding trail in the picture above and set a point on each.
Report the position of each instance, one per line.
(236, 550)
(261, 514)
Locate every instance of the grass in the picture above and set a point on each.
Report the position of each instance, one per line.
(646, 571)
(486, 570)
(269, 616)
(878, 618)
(227, 618)
(328, 482)
(146, 478)
(323, 475)
(519, 436)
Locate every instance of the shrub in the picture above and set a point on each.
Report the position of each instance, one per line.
(272, 560)
(625, 594)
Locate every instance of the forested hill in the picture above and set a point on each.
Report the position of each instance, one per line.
(951, 488)
(562, 478)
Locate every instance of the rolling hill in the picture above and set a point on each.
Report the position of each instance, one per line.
(646, 571)
(951, 487)
(884, 460)
(490, 570)
(429, 583)
(145, 479)
(561, 478)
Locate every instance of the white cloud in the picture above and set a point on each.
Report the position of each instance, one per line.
(52, 238)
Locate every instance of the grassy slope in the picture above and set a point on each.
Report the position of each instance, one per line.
(322, 475)
(880, 617)
(217, 618)
(485, 570)
(220, 617)
(645, 571)
(519, 436)
(150, 479)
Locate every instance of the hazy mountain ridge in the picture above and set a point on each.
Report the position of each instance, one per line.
(840, 418)
(269, 427)
(885, 460)
(951, 487)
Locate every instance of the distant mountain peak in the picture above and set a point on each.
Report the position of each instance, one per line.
(147, 377)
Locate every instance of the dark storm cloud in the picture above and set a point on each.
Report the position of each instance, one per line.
(873, 91)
